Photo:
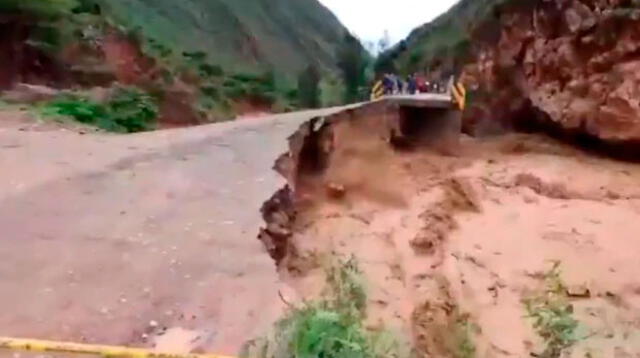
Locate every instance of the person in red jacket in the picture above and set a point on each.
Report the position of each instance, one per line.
(421, 83)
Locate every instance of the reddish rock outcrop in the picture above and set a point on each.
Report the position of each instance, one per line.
(570, 65)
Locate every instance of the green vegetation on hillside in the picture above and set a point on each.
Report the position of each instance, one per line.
(44, 8)
(331, 327)
(353, 63)
(309, 87)
(244, 36)
(222, 54)
(128, 110)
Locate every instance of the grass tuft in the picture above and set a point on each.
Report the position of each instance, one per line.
(464, 345)
(331, 327)
(552, 315)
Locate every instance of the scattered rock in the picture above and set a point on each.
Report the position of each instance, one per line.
(460, 195)
(578, 291)
(438, 223)
(530, 199)
(579, 17)
(612, 195)
(550, 190)
(336, 191)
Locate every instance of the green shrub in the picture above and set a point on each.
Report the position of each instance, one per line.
(319, 332)
(195, 57)
(246, 77)
(552, 315)
(210, 91)
(129, 110)
(81, 109)
(132, 110)
(462, 339)
(329, 328)
(309, 87)
(208, 70)
(235, 91)
(331, 92)
(157, 49)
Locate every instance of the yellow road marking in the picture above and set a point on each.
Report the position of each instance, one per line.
(35, 345)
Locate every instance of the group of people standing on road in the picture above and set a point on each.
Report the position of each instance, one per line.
(413, 84)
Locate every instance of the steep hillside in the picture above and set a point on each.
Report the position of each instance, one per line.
(285, 35)
(199, 60)
(445, 39)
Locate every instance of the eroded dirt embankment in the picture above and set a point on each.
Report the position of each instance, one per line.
(452, 239)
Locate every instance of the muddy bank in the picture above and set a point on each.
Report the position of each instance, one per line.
(454, 237)
(326, 155)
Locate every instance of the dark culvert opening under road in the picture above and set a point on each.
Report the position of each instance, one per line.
(423, 126)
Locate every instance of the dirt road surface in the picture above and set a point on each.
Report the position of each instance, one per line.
(115, 239)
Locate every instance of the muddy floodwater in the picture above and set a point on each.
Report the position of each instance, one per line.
(461, 237)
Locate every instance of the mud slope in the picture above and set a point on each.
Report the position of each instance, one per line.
(452, 245)
(115, 239)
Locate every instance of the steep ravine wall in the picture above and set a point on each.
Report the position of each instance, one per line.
(575, 62)
(566, 66)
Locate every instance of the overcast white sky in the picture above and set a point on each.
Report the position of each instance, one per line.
(369, 18)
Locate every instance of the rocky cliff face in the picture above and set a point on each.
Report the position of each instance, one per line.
(567, 66)
(570, 65)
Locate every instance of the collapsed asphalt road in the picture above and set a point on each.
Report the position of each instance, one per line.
(117, 239)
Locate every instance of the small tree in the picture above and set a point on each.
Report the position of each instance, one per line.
(352, 62)
(309, 87)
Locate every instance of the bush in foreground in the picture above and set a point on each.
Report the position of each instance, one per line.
(331, 327)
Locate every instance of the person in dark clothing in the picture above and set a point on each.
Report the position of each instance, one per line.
(387, 84)
(399, 85)
(412, 84)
